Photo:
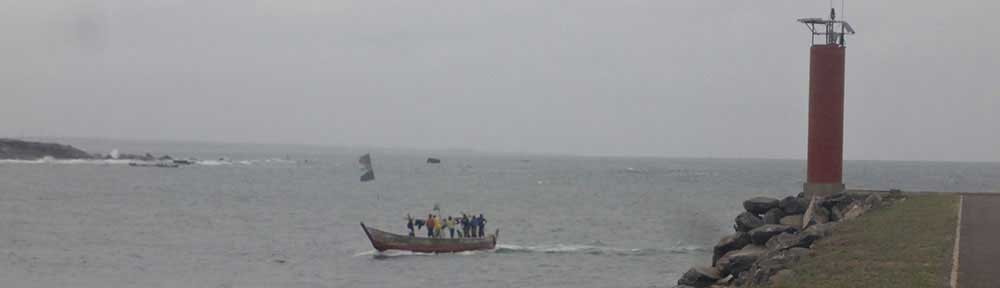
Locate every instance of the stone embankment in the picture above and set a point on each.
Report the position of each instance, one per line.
(773, 234)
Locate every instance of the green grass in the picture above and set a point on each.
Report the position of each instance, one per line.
(906, 245)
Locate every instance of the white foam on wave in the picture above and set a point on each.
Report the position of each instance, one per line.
(593, 249)
(548, 248)
(397, 253)
(213, 162)
(688, 248)
(566, 249)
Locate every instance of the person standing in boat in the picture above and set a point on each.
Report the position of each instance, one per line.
(409, 224)
(430, 225)
(482, 226)
(450, 224)
(465, 225)
(473, 225)
(438, 226)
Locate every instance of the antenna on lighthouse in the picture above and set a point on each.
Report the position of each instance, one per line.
(832, 30)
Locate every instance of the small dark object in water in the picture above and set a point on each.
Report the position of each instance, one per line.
(433, 160)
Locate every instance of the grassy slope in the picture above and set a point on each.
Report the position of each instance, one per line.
(907, 245)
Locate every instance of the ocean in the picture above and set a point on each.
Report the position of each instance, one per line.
(288, 216)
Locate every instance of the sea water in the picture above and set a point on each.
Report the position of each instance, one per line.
(288, 216)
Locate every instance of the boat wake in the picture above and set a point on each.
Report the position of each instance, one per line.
(595, 249)
(547, 249)
(397, 254)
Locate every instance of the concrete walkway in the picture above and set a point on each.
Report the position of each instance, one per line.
(979, 242)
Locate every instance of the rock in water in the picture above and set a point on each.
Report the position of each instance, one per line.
(761, 234)
(791, 220)
(700, 277)
(793, 205)
(760, 205)
(747, 221)
(773, 216)
(730, 243)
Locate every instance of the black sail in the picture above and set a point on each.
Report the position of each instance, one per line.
(366, 166)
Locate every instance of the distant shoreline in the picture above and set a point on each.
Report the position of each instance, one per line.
(27, 150)
(16, 149)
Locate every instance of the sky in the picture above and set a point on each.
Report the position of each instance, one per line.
(684, 78)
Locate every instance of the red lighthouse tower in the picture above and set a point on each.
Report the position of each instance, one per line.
(824, 165)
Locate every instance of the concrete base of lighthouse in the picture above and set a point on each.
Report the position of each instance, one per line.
(822, 189)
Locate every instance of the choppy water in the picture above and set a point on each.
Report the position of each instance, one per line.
(260, 221)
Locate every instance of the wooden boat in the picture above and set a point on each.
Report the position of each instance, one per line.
(382, 241)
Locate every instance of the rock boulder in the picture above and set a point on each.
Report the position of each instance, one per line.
(787, 240)
(738, 261)
(773, 216)
(760, 235)
(835, 199)
(793, 205)
(873, 201)
(854, 211)
(815, 214)
(747, 221)
(820, 230)
(760, 205)
(791, 220)
(730, 243)
(699, 277)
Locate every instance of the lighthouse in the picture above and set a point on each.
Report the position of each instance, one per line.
(825, 156)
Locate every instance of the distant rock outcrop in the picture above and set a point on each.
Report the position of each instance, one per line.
(25, 150)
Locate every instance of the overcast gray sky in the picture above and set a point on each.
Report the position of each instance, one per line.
(691, 78)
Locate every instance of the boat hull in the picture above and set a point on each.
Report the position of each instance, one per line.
(383, 241)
